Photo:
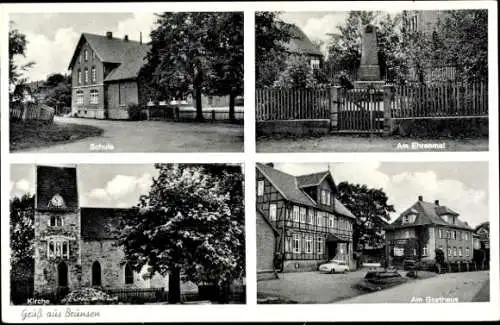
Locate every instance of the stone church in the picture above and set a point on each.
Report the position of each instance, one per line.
(75, 246)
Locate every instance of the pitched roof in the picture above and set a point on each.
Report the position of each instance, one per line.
(129, 54)
(300, 43)
(485, 225)
(52, 181)
(311, 179)
(288, 186)
(101, 223)
(428, 214)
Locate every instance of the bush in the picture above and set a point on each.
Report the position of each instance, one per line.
(88, 296)
(134, 112)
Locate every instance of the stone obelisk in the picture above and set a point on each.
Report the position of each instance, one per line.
(369, 70)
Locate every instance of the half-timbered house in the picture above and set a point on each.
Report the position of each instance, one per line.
(312, 224)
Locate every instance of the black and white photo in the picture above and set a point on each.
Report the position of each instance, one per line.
(127, 234)
(400, 80)
(372, 232)
(126, 82)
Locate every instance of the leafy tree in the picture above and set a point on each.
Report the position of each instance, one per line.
(297, 73)
(464, 38)
(22, 235)
(17, 47)
(55, 79)
(191, 221)
(271, 37)
(370, 207)
(58, 91)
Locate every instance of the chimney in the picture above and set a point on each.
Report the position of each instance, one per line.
(420, 198)
(140, 38)
(270, 165)
(436, 202)
(125, 38)
(109, 35)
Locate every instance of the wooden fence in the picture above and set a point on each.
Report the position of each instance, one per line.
(440, 100)
(31, 111)
(361, 110)
(292, 104)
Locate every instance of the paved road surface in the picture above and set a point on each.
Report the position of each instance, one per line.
(464, 286)
(153, 136)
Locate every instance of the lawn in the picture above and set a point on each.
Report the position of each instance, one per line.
(35, 134)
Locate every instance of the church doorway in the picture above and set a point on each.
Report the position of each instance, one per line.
(96, 274)
(62, 275)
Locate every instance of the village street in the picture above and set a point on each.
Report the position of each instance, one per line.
(314, 287)
(465, 287)
(151, 136)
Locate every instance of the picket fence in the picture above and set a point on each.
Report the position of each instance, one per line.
(440, 100)
(31, 111)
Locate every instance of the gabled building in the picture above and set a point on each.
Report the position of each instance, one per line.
(77, 247)
(425, 227)
(104, 74)
(300, 44)
(312, 224)
(483, 233)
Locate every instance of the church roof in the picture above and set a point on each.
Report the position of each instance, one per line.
(101, 223)
(52, 181)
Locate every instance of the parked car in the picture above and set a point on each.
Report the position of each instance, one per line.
(334, 266)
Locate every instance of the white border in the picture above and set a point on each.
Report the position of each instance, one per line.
(251, 311)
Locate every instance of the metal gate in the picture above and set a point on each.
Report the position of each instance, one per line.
(360, 111)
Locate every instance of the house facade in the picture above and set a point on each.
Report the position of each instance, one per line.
(425, 227)
(266, 247)
(76, 246)
(300, 44)
(312, 224)
(104, 74)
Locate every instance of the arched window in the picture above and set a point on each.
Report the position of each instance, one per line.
(62, 275)
(96, 274)
(129, 274)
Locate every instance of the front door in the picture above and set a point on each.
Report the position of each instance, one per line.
(62, 275)
(332, 250)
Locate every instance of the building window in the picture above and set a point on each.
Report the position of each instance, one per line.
(467, 251)
(328, 194)
(79, 97)
(406, 219)
(319, 220)
(86, 55)
(454, 234)
(303, 212)
(86, 76)
(425, 251)
(314, 64)
(94, 96)
(80, 77)
(450, 253)
(56, 221)
(296, 243)
(319, 245)
(440, 233)
(310, 216)
(65, 249)
(296, 213)
(454, 251)
(460, 251)
(94, 75)
(272, 212)
(260, 188)
(129, 274)
(330, 221)
(309, 244)
(466, 236)
(52, 250)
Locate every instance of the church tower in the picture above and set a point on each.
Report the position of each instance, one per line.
(57, 231)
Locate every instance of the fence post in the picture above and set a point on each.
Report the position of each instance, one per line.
(334, 106)
(388, 123)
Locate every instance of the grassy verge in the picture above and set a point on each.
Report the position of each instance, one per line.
(35, 134)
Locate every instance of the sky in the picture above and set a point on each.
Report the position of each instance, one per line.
(317, 25)
(461, 186)
(52, 37)
(107, 186)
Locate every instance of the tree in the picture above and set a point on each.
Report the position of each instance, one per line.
(17, 46)
(464, 37)
(371, 209)
(297, 73)
(58, 93)
(224, 54)
(22, 235)
(191, 221)
(271, 37)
